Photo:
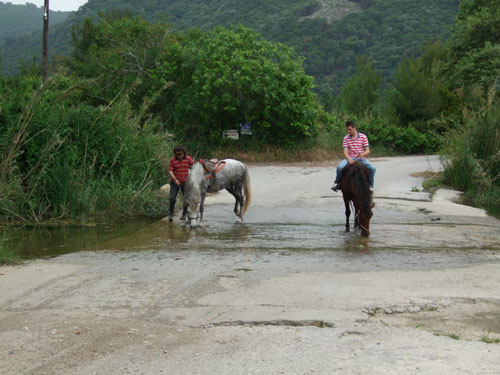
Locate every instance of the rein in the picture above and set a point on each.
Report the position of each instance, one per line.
(356, 218)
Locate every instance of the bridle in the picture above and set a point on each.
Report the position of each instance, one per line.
(356, 218)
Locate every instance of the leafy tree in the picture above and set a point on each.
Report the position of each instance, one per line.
(418, 92)
(61, 157)
(198, 83)
(474, 50)
(237, 77)
(120, 55)
(362, 91)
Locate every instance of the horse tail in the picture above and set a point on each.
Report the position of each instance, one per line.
(247, 189)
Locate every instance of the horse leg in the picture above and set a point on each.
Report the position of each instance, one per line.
(202, 207)
(356, 215)
(347, 214)
(238, 196)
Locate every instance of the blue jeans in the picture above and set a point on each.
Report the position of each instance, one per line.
(371, 169)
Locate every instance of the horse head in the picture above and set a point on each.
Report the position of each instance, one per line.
(193, 194)
(363, 219)
(193, 213)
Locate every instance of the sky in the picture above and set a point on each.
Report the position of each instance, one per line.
(65, 5)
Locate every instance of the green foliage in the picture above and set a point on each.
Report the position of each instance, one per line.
(22, 35)
(199, 83)
(8, 256)
(384, 134)
(361, 92)
(472, 152)
(490, 340)
(66, 159)
(324, 33)
(22, 20)
(474, 49)
(418, 93)
(237, 77)
(120, 55)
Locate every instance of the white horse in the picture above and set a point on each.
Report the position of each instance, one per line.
(228, 174)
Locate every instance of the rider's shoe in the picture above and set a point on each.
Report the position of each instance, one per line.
(335, 187)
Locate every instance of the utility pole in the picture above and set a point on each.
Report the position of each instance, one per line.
(45, 39)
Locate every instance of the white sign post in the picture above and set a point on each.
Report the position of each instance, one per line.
(231, 134)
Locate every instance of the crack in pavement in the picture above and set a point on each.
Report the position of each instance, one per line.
(275, 322)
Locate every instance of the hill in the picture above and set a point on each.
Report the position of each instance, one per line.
(329, 34)
(21, 20)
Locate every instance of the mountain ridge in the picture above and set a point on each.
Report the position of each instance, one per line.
(329, 34)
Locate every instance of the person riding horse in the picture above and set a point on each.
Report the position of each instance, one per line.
(356, 147)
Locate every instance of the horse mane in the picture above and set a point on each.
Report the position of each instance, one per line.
(362, 183)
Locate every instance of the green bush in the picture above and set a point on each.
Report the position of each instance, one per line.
(73, 160)
(386, 136)
(7, 256)
(472, 153)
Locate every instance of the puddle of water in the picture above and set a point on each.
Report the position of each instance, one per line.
(493, 211)
(45, 241)
(265, 230)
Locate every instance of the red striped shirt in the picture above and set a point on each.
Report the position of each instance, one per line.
(355, 145)
(180, 167)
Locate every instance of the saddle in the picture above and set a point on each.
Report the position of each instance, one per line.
(212, 166)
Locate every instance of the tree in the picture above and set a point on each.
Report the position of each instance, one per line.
(418, 92)
(235, 76)
(362, 91)
(120, 56)
(474, 50)
(198, 83)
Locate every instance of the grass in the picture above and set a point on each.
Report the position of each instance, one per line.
(8, 257)
(453, 336)
(432, 180)
(490, 340)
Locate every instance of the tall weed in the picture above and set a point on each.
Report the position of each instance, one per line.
(67, 159)
(472, 154)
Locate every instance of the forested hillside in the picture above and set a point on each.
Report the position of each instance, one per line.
(330, 34)
(20, 20)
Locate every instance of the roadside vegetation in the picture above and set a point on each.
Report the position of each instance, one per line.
(93, 141)
(8, 257)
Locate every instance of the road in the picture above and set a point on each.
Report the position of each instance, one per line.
(286, 292)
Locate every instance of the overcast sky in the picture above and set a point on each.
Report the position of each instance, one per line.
(65, 5)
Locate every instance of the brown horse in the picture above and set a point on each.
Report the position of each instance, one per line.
(355, 186)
